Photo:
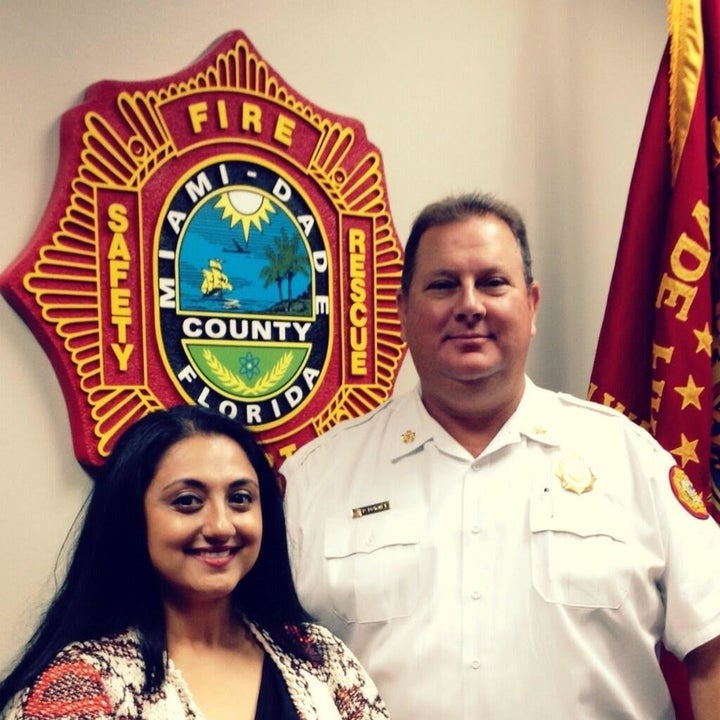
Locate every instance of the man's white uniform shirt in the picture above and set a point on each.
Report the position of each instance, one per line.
(492, 587)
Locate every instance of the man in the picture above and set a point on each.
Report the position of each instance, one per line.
(490, 549)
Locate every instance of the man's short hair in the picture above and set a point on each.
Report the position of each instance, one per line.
(456, 208)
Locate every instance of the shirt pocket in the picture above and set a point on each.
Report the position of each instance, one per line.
(373, 565)
(579, 550)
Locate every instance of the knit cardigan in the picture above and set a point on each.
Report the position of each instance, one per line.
(103, 680)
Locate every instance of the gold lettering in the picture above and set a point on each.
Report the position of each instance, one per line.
(357, 290)
(658, 387)
(287, 450)
(284, 127)
(701, 212)
(117, 218)
(118, 248)
(198, 116)
(119, 257)
(122, 353)
(610, 401)
(358, 316)
(222, 115)
(120, 302)
(358, 363)
(358, 310)
(675, 289)
(251, 118)
(686, 246)
(118, 272)
(688, 262)
(661, 352)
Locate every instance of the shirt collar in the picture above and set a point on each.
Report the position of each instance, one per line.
(412, 426)
(535, 418)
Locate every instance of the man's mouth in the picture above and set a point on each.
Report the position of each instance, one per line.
(469, 336)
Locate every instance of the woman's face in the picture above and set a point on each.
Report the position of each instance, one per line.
(204, 523)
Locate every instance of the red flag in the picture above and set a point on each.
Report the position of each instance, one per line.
(658, 355)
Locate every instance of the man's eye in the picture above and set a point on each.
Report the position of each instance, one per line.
(441, 285)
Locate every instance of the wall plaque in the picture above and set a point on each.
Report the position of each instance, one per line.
(213, 238)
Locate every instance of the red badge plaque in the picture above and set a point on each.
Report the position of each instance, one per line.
(213, 238)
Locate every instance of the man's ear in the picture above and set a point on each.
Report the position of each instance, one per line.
(534, 301)
(401, 303)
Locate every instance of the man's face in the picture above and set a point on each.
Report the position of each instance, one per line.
(469, 314)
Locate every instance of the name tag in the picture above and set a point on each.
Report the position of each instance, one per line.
(371, 509)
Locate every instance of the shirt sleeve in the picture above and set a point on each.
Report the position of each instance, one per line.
(295, 476)
(691, 581)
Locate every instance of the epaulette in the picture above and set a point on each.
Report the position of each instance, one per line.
(302, 453)
(640, 432)
(575, 401)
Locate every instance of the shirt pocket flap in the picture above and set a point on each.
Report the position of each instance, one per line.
(586, 515)
(350, 536)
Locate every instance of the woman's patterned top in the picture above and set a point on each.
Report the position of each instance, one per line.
(103, 679)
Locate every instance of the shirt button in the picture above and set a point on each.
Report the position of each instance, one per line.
(475, 595)
(475, 529)
(475, 664)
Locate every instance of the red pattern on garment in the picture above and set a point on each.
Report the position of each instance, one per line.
(50, 697)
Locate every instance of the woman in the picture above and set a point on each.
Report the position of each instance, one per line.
(179, 601)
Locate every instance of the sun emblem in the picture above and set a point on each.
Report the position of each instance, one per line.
(245, 207)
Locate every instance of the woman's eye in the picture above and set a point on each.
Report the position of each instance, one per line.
(241, 498)
(186, 503)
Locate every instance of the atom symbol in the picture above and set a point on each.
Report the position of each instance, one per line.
(249, 366)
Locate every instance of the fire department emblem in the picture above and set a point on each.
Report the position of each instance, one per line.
(214, 238)
(687, 495)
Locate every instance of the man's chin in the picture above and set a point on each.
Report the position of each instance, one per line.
(474, 374)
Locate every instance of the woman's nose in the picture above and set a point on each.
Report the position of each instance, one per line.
(218, 523)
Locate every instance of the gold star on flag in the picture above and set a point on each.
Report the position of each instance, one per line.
(704, 338)
(690, 393)
(686, 450)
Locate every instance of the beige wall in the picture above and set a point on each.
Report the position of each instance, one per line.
(540, 101)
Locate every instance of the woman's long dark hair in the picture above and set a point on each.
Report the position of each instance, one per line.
(111, 585)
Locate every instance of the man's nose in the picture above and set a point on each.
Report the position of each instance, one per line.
(471, 303)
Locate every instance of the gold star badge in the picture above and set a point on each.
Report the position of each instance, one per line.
(408, 436)
(575, 475)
